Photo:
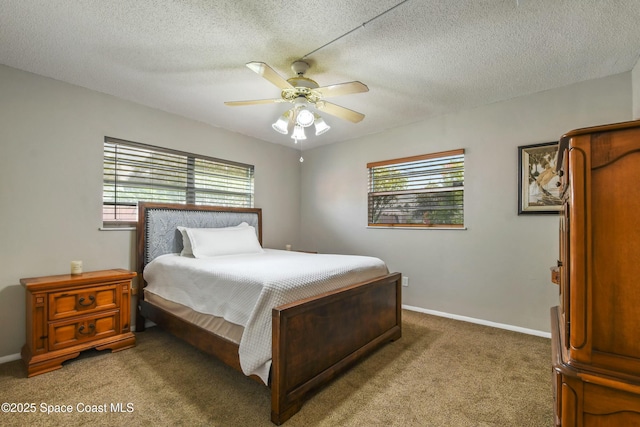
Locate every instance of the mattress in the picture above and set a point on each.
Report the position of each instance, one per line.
(243, 289)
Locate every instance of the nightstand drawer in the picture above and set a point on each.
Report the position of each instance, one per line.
(83, 301)
(78, 330)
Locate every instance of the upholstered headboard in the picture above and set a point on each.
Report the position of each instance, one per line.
(158, 225)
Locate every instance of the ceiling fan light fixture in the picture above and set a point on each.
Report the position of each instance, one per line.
(321, 125)
(298, 133)
(304, 93)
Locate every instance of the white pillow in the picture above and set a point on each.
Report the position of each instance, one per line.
(186, 243)
(211, 242)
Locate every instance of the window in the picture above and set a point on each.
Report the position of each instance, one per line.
(419, 191)
(137, 172)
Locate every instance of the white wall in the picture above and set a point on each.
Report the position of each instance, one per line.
(498, 269)
(51, 139)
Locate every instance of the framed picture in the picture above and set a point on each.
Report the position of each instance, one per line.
(538, 179)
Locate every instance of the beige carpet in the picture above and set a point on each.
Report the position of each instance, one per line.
(442, 372)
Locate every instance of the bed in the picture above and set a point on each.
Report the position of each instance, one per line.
(313, 339)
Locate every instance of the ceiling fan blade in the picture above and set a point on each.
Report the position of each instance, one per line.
(338, 111)
(342, 89)
(268, 73)
(253, 102)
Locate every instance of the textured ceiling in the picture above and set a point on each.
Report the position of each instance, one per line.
(420, 59)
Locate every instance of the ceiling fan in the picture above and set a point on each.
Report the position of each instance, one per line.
(302, 91)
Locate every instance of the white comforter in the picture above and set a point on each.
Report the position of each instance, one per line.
(243, 289)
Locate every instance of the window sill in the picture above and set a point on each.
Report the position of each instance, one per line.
(117, 228)
(416, 228)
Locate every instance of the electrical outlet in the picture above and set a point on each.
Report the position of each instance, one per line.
(405, 281)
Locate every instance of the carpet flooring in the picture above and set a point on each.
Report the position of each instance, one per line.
(442, 372)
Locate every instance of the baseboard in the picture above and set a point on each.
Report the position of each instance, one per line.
(479, 321)
(9, 358)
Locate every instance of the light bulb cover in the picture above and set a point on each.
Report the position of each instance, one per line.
(298, 133)
(304, 118)
(321, 125)
(282, 124)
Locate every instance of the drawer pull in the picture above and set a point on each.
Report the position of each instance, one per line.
(92, 299)
(92, 327)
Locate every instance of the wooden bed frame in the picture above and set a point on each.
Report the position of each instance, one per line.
(314, 339)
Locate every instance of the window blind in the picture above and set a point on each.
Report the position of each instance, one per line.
(418, 191)
(138, 172)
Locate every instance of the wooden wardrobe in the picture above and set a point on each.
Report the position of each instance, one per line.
(596, 327)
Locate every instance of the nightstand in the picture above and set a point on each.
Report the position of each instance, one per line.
(67, 314)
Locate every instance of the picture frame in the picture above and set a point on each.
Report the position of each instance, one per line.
(538, 190)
